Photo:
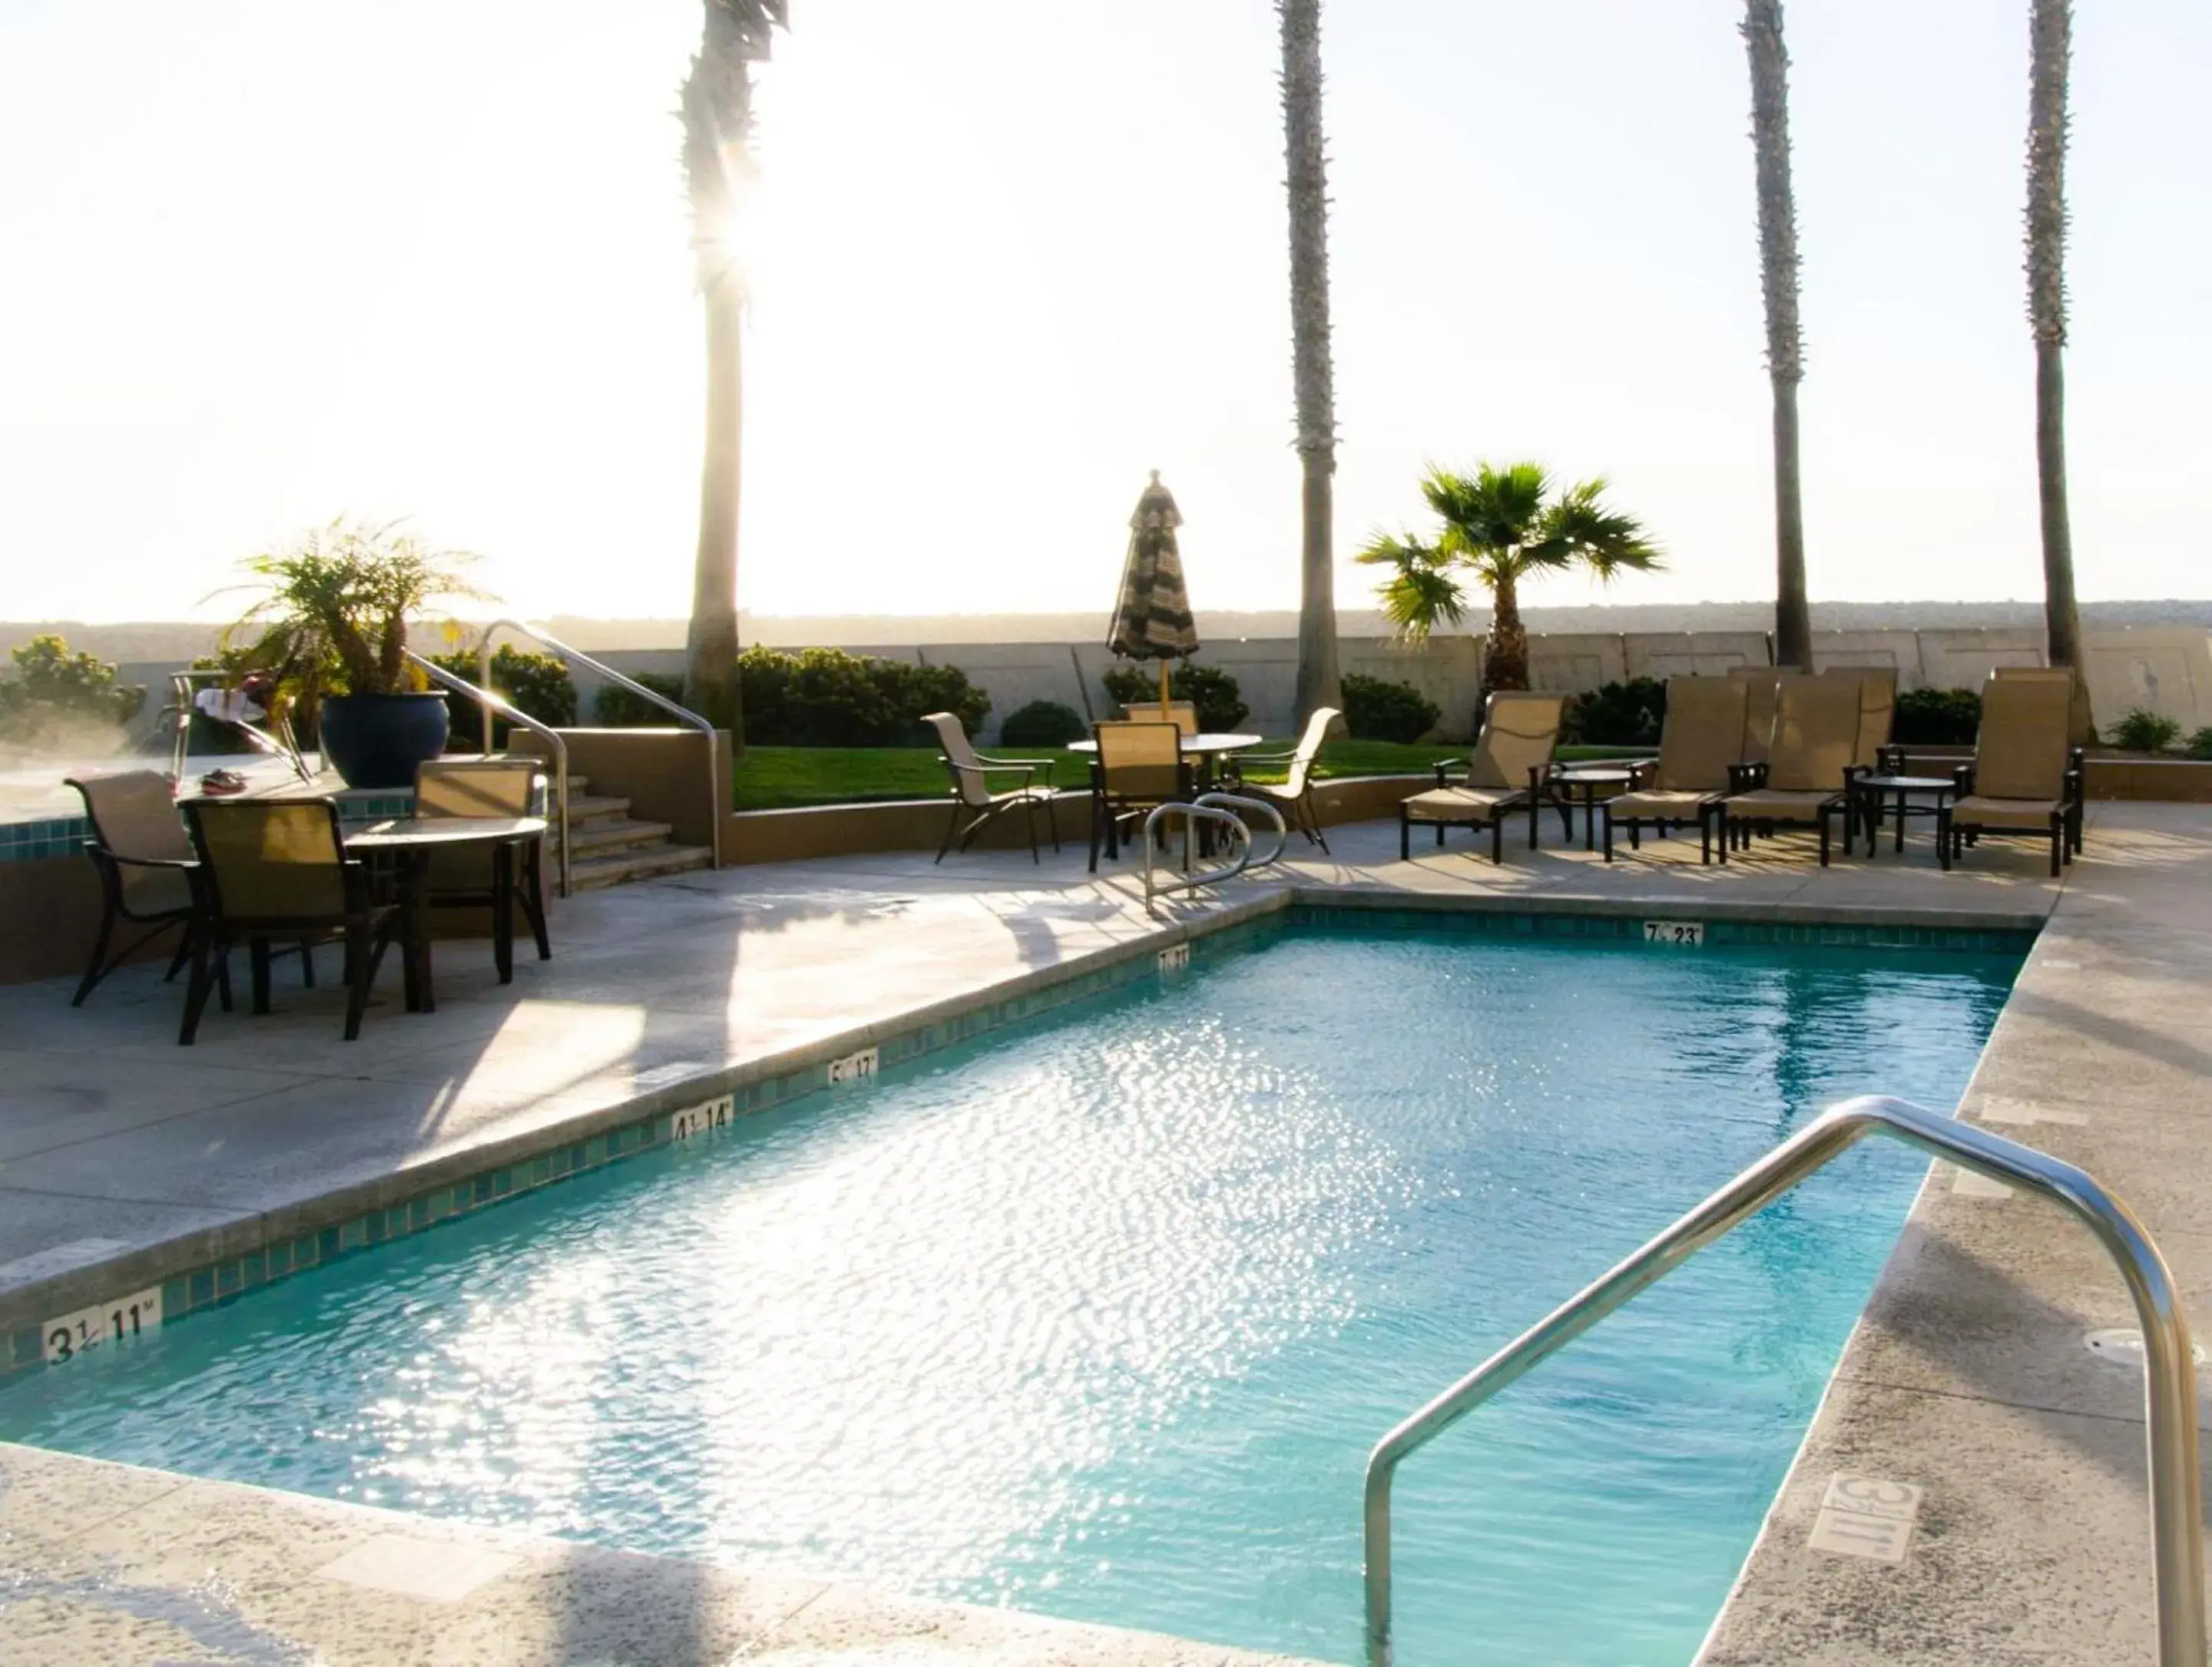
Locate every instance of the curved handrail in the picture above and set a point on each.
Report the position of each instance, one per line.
(488, 702)
(683, 714)
(2169, 1369)
(1221, 807)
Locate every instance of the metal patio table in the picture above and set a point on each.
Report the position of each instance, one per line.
(1587, 779)
(1867, 793)
(408, 842)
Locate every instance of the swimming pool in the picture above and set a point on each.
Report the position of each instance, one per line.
(1101, 1314)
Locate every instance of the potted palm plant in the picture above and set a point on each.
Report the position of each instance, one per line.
(330, 627)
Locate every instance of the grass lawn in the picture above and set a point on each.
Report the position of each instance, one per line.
(785, 777)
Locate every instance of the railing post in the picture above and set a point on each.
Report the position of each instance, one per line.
(2169, 1362)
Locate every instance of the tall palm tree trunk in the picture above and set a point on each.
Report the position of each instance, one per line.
(1785, 346)
(1505, 654)
(1319, 679)
(717, 111)
(2051, 42)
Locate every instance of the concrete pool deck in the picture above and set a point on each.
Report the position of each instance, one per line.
(125, 1159)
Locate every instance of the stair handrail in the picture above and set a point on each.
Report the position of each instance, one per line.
(488, 703)
(2169, 1367)
(683, 714)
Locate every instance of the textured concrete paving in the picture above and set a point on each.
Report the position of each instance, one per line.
(115, 1145)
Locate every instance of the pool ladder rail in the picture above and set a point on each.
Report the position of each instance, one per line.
(1225, 811)
(2169, 1370)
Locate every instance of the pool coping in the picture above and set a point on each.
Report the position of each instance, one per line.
(205, 1266)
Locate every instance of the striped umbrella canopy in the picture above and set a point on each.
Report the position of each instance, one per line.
(1151, 616)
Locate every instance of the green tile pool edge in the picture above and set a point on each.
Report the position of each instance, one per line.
(234, 1276)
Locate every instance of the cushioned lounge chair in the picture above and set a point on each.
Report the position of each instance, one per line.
(1877, 711)
(277, 868)
(1701, 743)
(493, 880)
(1761, 686)
(2024, 780)
(1508, 772)
(1802, 783)
(145, 860)
(975, 805)
(1294, 793)
(1139, 767)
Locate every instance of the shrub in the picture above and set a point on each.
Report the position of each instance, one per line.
(1937, 717)
(1375, 710)
(1219, 701)
(1043, 723)
(616, 708)
(55, 692)
(2200, 744)
(538, 683)
(827, 697)
(1629, 713)
(2142, 730)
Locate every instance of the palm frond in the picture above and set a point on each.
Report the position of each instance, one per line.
(1493, 510)
(1421, 592)
(1581, 528)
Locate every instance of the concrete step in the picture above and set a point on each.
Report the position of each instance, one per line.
(584, 807)
(602, 838)
(593, 873)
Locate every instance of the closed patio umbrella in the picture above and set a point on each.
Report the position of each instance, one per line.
(1152, 618)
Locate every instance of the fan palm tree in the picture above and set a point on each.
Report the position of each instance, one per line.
(1785, 364)
(717, 109)
(1319, 682)
(2051, 49)
(1500, 526)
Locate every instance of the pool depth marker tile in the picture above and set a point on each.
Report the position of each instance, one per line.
(1865, 1517)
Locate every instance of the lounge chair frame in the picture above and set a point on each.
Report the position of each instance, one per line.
(1296, 793)
(1528, 799)
(1739, 823)
(2064, 831)
(115, 904)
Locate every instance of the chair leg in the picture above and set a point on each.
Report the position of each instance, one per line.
(361, 959)
(308, 962)
(1635, 830)
(221, 951)
(951, 828)
(1497, 834)
(1312, 813)
(503, 912)
(2057, 844)
(1943, 838)
(1824, 836)
(1052, 819)
(257, 955)
(1097, 815)
(533, 899)
(96, 969)
(1404, 835)
(177, 961)
(1028, 807)
(1608, 832)
(196, 992)
(1705, 840)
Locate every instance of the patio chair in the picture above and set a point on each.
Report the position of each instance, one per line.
(1701, 743)
(500, 788)
(277, 868)
(145, 861)
(1295, 792)
(2024, 779)
(975, 806)
(1512, 761)
(1762, 685)
(1801, 781)
(1140, 767)
(1180, 713)
(1877, 711)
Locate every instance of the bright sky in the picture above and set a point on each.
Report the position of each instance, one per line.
(269, 261)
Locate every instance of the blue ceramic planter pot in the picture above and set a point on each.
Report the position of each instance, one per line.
(376, 740)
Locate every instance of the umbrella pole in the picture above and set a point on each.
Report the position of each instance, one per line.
(1164, 688)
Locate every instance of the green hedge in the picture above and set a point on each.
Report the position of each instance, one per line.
(1219, 701)
(820, 698)
(1043, 723)
(55, 694)
(616, 708)
(1375, 710)
(538, 684)
(1937, 717)
(1630, 713)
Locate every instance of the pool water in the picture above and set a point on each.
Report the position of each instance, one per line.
(1101, 1316)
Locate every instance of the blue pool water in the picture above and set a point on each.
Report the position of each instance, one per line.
(1100, 1316)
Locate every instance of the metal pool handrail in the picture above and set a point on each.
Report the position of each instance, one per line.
(1227, 809)
(2169, 1370)
(683, 715)
(488, 702)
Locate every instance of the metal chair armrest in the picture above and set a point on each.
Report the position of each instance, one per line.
(184, 863)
